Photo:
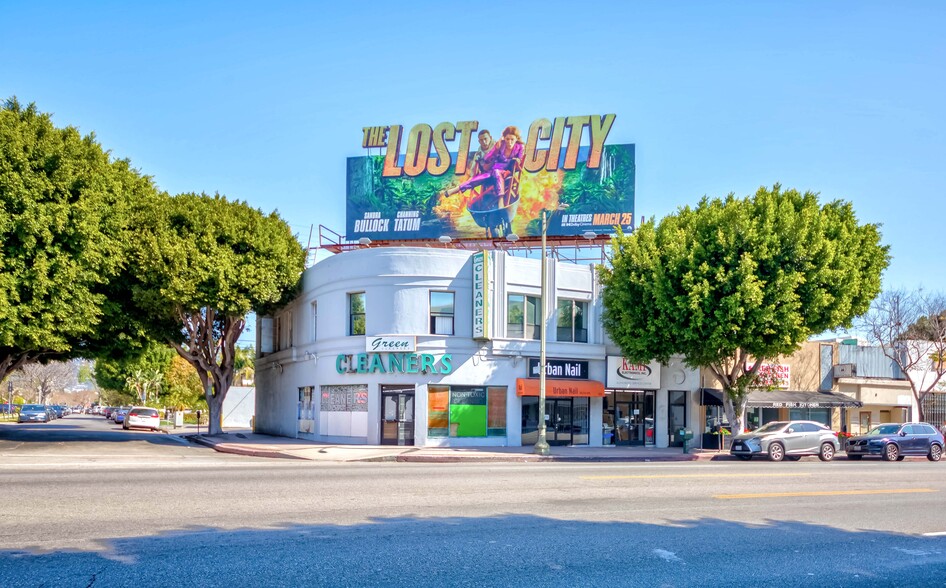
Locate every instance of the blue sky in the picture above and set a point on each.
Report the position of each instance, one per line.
(264, 102)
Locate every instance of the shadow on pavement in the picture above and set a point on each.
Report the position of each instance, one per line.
(510, 550)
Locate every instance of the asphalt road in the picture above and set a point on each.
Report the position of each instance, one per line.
(91, 505)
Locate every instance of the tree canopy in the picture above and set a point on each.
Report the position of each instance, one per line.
(736, 281)
(64, 206)
(199, 264)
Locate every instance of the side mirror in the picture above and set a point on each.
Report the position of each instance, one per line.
(903, 433)
(790, 430)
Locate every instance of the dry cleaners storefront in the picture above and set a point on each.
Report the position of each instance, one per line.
(437, 347)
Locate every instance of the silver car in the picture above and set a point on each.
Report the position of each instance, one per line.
(787, 440)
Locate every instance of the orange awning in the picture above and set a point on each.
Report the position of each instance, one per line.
(560, 388)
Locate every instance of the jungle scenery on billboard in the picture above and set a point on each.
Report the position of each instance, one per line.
(492, 183)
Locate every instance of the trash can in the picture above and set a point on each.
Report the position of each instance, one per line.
(686, 435)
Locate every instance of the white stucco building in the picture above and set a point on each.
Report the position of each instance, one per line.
(439, 347)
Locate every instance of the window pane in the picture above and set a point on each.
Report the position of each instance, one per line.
(441, 303)
(438, 411)
(564, 321)
(533, 311)
(442, 325)
(441, 313)
(515, 313)
(496, 411)
(356, 305)
(581, 330)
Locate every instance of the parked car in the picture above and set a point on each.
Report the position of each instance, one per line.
(894, 441)
(142, 416)
(119, 415)
(787, 440)
(33, 413)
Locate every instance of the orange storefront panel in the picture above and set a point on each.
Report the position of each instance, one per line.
(560, 388)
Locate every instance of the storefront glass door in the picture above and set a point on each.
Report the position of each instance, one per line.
(632, 415)
(559, 431)
(397, 416)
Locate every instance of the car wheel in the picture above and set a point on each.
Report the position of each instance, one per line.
(901, 457)
(776, 452)
(827, 452)
(744, 457)
(891, 452)
(854, 457)
(936, 453)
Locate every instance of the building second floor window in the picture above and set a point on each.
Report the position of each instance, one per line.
(522, 317)
(356, 313)
(572, 325)
(315, 321)
(441, 313)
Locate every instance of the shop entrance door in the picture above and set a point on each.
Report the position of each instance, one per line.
(559, 429)
(629, 422)
(397, 416)
(677, 416)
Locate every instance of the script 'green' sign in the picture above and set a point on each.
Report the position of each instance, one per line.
(397, 363)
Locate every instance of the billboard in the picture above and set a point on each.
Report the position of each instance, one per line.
(467, 182)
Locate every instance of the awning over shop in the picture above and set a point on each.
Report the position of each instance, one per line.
(560, 388)
(711, 397)
(784, 399)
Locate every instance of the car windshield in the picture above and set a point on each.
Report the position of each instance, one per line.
(770, 427)
(884, 430)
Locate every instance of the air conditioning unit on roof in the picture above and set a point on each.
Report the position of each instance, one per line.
(845, 370)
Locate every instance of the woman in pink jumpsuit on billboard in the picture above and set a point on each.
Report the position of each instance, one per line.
(498, 165)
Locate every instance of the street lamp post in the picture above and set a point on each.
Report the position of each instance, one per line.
(541, 445)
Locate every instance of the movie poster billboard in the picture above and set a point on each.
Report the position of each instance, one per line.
(470, 181)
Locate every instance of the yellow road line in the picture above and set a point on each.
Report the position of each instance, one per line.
(825, 493)
(661, 476)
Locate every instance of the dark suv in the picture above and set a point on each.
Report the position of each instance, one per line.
(894, 441)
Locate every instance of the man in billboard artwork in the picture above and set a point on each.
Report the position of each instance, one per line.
(495, 167)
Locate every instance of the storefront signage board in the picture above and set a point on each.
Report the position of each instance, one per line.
(773, 375)
(391, 344)
(393, 363)
(563, 369)
(480, 295)
(627, 375)
(560, 388)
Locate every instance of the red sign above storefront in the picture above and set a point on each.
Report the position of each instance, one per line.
(560, 388)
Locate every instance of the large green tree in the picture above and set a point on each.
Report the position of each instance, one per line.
(64, 204)
(736, 282)
(199, 265)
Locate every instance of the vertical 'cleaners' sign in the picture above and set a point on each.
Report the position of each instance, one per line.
(480, 295)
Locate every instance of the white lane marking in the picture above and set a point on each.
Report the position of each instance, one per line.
(668, 556)
(916, 552)
(936, 534)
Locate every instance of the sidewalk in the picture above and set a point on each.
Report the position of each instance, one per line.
(252, 444)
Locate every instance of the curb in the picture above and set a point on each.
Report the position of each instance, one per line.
(411, 457)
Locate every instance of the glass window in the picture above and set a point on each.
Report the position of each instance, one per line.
(496, 411)
(441, 313)
(466, 411)
(523, 321)
(315, 321)
(572, 315)
(356, 313)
